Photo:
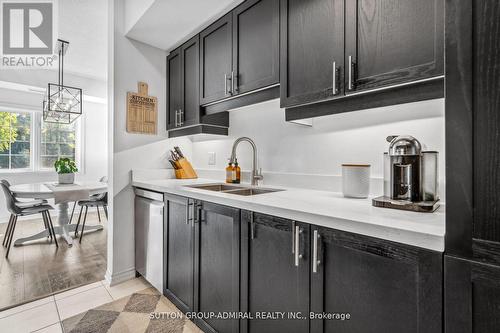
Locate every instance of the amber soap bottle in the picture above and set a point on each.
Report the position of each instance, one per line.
(236, 174)
(229, 172)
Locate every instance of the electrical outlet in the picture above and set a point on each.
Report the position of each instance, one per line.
(211, 158)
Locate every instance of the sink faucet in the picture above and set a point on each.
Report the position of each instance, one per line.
(256, 175)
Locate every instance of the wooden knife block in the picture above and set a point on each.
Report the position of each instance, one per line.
(184, 170)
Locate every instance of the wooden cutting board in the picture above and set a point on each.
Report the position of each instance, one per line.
(142, 111)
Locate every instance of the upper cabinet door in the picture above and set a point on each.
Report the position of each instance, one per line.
(312, 44)
(216, 60)
(390, 42)
(255, 45)
(174, 88)
(190, 52)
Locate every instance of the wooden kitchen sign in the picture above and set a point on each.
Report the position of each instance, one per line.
(142, 111)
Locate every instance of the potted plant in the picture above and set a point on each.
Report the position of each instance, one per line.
(65, 169)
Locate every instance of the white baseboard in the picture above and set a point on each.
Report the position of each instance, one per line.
(117, 278)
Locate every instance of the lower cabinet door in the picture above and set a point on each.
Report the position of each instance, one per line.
(472, 296)
(179, 247)
(274, 274)
(370, 285)
(217, 249)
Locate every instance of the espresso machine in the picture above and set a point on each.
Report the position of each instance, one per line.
(410, 176)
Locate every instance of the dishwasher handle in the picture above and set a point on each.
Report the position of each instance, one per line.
(149, 194)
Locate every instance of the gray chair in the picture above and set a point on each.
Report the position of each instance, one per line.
(17, 211)
(95, 197)
(85, 204)
(26, 204)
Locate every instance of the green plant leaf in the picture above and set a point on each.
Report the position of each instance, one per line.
(65, 165)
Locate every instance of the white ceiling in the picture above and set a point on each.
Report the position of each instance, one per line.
(167, 23)
(84, 23)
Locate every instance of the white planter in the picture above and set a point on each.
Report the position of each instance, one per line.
(66, 178)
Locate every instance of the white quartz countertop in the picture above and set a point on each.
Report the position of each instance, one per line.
(328, 209)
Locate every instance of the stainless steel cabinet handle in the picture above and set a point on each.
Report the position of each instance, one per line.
(293, 237)
(316, 237)
(252, 226)
(350, 84)
(189, 219)
(298, 231)
(226, 91)
(225, 84)
(233, 88)
(181, 115)
(335, 88)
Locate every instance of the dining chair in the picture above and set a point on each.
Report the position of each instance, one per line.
(17, 211)
(85, 204)
(24, 204)
(96, 197)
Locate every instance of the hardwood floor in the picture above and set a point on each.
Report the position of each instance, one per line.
(39, 269)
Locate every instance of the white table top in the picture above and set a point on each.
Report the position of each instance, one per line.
(41, 191)
(323, 208)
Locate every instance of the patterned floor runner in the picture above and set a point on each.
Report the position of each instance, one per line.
(132, 314)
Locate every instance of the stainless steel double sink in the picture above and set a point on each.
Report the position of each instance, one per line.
(235, 189)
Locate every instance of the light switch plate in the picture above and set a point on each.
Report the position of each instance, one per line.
(211, 158)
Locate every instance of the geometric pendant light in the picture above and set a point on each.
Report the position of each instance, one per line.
(62, 104)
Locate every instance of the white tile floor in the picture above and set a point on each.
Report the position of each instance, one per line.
(45, 315)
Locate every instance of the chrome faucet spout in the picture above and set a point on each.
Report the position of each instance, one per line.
(256, 175)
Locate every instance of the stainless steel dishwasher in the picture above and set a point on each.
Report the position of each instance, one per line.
(149, 236)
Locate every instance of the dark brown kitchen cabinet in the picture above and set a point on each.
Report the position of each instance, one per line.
(255, 45)
(275, 263)
(383, 286)
(217, 263)
(312, 51)
(183, 89)
(179, 251)
(216, 66)
(240, 52)
(331, 49)
(392, 42)
(174, 87)
(472, 296)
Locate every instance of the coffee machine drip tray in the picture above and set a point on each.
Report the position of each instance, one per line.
(417, 206)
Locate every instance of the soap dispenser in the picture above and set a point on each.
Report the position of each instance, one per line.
(229, 172)
(236, 175)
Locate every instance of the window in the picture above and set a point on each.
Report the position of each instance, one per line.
(57, 140)
(15, 140)
(27, 143)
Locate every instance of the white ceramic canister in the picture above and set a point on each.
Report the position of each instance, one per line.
(356, 180)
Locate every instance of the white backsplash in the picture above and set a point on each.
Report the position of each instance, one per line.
(299, 156)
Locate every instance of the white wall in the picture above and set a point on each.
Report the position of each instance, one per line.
(354, 137)
(133, 62)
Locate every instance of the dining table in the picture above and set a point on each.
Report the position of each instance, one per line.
(63, 227)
